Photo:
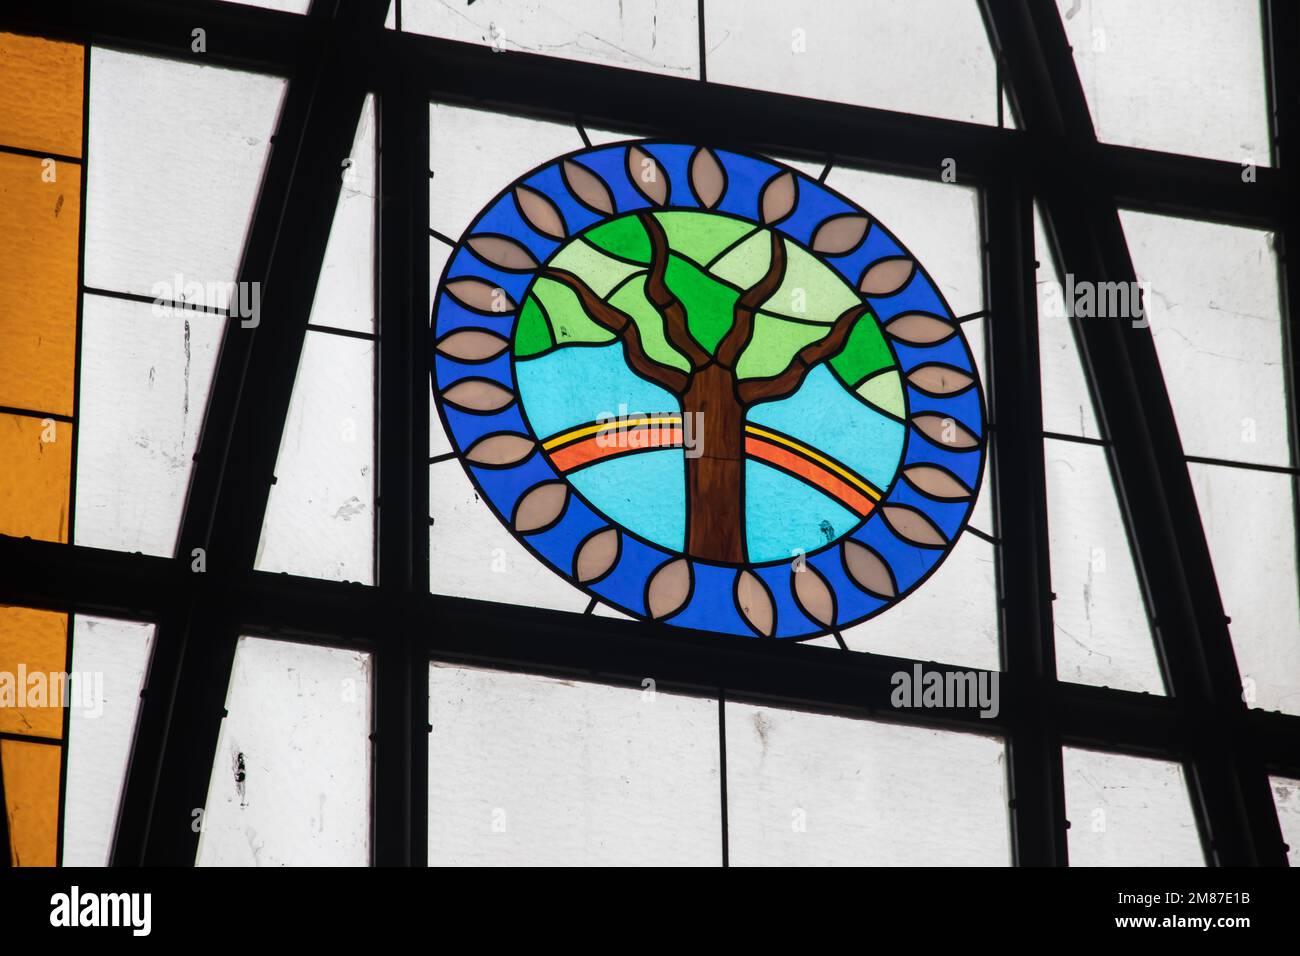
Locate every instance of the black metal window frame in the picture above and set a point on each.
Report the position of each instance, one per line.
(339, 52)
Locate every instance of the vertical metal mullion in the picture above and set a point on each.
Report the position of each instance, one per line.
(402, 670)
(1015, 403)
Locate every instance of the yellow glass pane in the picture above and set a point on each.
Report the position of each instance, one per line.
(40, 94)
(40, 223)
(31, 776)
(35, 473)
(33, 645)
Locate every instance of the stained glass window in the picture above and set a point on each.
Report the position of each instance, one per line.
(689, 378)
(500, 433)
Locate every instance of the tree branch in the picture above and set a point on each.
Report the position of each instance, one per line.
(623, 326)
(808, 357)
(669, 306)
(742, 322)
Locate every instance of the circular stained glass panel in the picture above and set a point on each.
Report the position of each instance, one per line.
(708, 390)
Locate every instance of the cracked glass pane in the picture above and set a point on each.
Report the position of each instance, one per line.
(321, 511)
(1183, 76)
(1067, 401)
(288, 6)
(1212, 294)
(537, 771)
(345, 292)
(290, 783)
(1100, 621)
(658, 36)
(1128, 811)
(1250, 526)
(1286, 794)
(109, 659)
(816, 790)
(145, 375)
(148, 230)
(929, 57)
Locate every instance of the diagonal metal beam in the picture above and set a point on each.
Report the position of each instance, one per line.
(1228, 784)
(194, 649)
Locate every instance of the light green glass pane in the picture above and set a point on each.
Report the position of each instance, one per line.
(885, 392)
(775, 342)
(865, 352)
(632, 300)
(810, 290)
(601, 272)
(570, 323)
(700, 237)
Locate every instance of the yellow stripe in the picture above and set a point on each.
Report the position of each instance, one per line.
(844, 473)
(582, 431)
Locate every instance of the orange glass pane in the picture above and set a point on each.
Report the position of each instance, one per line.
(40, 94)
(40, 222)
(33, 645)
(35, 475)
(31, 777)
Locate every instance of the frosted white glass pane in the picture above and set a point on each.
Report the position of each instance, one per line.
(177, 153)
(1102, 633)
(1184, 76)
(320, 515)
(604, 610)
(471, 554)
(474, 154)
(109, 658)
(390, 20)
(952, 617)
(1008, 114)
(925, 56)
(290, 784)
(289, 6)
(1067, 402)
(1213, 307)
(345, 292)
(815, 790)
(1286, 794)
(939, 223)
(1250, 525)
(1128, 811)
(145, 375)
(659, 36)
(529, 770)
(603, 137)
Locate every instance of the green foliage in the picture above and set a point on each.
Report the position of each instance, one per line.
(710, 263)
(865, 352)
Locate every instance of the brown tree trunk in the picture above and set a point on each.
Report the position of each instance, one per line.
(715, 469)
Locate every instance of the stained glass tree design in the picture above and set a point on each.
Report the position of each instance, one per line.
(686, 328)
(789, 386)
